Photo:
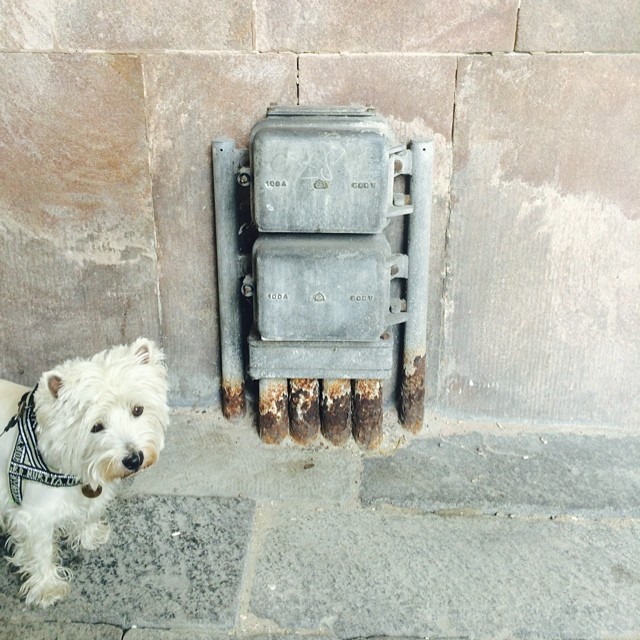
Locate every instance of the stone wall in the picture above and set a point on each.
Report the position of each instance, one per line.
(107, 110)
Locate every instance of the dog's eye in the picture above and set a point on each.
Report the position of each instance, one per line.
(137, 411)
(97, 427)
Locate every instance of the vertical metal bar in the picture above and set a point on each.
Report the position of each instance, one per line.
(273, 422)
(412, 392)
(304, 409)
(225, 164)
(367, 413)
(335, 410)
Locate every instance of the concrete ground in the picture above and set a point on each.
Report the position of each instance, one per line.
(470, 530)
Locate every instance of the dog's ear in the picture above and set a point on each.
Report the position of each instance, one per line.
(54, 383)
(147, 352)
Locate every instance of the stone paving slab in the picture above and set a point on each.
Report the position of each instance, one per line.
(371, 573)
(206, 455)
(58, 631)
(173, 634)
(547, 474)
(170, 561)
(193, 634)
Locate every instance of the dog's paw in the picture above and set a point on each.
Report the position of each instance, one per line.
(92, 536)
(46, 592)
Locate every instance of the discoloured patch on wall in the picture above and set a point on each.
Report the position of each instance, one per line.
(76, 216)
(542, 277)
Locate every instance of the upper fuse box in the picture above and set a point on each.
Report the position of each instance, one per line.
(322, 170)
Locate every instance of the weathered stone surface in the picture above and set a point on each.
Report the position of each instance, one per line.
(58, 631)
(204, 634)
(207, 456)
(358, 25)
(169, 562)
(191, 100)
(578, 25)
(416, 94)
(173, 634)
(78, 259)
(368, 573)
(544, 474)
(26, 25)
(153, 24)
(543, 268)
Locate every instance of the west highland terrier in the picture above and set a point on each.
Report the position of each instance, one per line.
(66, 445)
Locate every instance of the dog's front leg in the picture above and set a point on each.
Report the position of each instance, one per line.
(35, 554)
(91, 535)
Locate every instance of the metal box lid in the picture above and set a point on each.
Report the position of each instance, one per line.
(321, 170)
(329, 288)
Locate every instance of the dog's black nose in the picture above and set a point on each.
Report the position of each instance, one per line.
(134, 461)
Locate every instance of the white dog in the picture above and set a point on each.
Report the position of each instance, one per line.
(66, 444)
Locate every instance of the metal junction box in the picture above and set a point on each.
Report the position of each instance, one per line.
(326, 288)
(316, 270)
(316, 171)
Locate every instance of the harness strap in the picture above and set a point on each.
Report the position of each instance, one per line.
(26, 460)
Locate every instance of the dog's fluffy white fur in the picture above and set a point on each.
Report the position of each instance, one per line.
(94, 417)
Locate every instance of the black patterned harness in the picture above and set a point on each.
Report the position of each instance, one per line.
(26, 460)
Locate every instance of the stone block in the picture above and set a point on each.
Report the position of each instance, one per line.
(416, 94)
(527, 474)
(174, 634)
(204, 634)
(369, 573)
(26, 25)
(170, 562)
(78, 259)
(153, 24)
(58, 631)
(360, 26)
(543, 270)
(578, 25)
(191, 100)
(206, 455)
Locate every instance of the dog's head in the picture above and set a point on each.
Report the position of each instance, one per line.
(104, 418)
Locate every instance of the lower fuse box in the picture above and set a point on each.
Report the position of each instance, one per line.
(321, 288)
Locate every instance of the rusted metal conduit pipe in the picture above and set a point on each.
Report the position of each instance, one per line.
(304, 409)
(273, 419)
(335, 408)
(412, 392)
(293, 408)
(226, 161)
(367, 413)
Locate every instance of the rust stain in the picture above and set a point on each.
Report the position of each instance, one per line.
(412, 394)
(304, 410)
(336, 410)
(367, 413)
(233, 400)
(129, 68)
(273, 422)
